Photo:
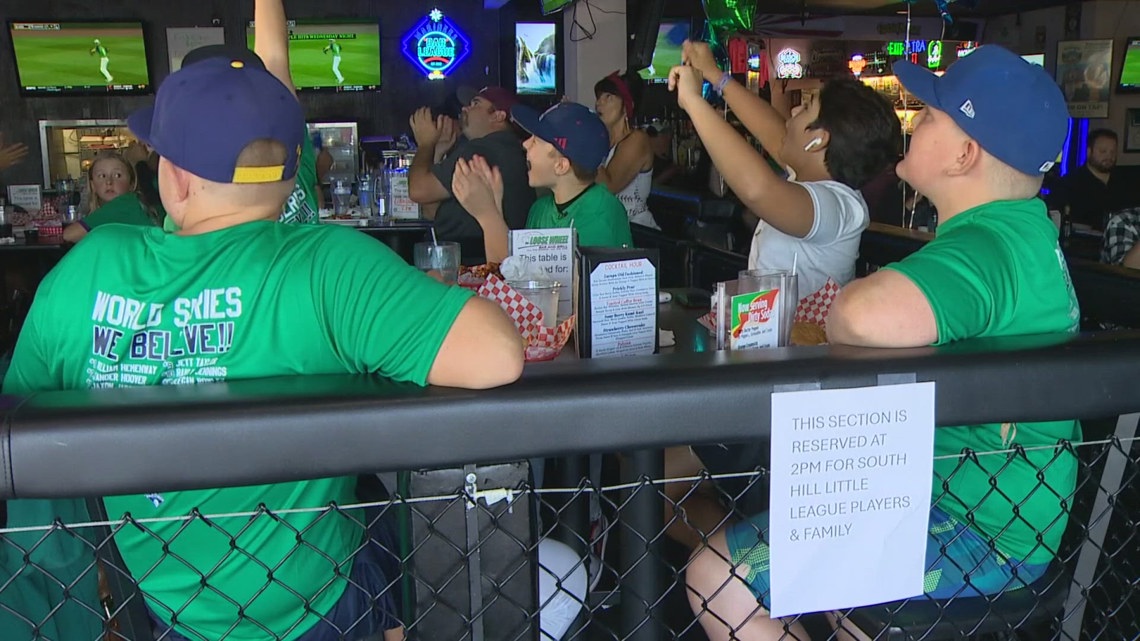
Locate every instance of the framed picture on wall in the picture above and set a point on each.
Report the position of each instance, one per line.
(1132, 131)
(1084, 71)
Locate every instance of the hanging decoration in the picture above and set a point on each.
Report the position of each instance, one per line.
(436, 45)
(944, 7)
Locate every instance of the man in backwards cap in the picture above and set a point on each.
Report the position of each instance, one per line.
(992, 127)
(236, 295)
(486, 127)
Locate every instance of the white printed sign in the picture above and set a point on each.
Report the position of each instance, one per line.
(182, 40)
(623, 308)
(553, 251)
(27, 196)
(402, 206)
(851, 477)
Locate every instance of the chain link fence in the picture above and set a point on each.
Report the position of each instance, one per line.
(480, 553)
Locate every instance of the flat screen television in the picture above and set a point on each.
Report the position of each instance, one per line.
(671, 35)
(80, 58)
(1035, 59)
(550, 6)
(1130, 68)
(536, 58)
(332, 55)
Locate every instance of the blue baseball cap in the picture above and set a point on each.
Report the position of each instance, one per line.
(1012, 108)
(206, 113)
(574, 130)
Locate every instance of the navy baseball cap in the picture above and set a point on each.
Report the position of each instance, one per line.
(229, 52)
(1012, 108)
(206, 113)
(574, 130)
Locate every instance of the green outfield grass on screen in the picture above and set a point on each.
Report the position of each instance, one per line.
(667, 52)
(333, 56)
(1130, 74)
(80, 57)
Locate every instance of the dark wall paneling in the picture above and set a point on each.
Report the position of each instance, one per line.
(384, 112)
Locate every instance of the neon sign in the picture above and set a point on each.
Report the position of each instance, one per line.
(934, 54)
(900, 49)
(788, 64)
(436, 45)
(857, 64)
(966, 48)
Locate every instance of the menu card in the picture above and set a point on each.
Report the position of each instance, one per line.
(616, 301)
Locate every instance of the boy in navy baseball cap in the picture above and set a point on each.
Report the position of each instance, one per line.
(992, 126)
(568, 144)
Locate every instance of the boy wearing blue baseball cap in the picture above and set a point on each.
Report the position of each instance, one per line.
(568, 143)
(992, 127)
(235, 295)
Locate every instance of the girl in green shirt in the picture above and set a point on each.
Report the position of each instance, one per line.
(116, 196)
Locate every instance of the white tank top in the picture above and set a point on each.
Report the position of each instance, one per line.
(635, 196)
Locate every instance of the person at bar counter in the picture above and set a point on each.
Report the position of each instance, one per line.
(235, 289)
(992, 127)
(487, 132)
(116, 196)
(833, 145)
(628, 169)
(568, 143)
(271, 53)
(1094, 190)
(226, 298)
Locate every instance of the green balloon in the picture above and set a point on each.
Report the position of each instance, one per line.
(727, 17)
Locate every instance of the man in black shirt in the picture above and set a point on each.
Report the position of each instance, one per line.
(1093, 191)
(487, 132)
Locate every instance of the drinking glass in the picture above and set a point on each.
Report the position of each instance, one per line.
(342, 197)
(440, 258)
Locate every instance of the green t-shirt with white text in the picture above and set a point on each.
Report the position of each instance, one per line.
(597, 215)
(135, 306)
(997, 270)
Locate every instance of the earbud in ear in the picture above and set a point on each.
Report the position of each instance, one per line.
(813, 144)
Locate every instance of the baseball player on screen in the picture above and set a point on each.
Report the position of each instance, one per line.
(334, 47)
(104, 60)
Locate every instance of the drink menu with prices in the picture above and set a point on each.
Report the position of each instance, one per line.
(623, 308)
(852, 471)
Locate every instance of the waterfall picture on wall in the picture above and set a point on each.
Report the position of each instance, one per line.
(536, 60)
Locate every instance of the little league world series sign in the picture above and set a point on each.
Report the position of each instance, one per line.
(436, 45)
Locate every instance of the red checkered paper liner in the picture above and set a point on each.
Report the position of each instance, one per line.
(812, 309)
(543, 343)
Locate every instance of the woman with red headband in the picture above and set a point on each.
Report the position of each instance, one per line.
(628, 170)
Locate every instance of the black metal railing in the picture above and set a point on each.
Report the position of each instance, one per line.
(466, 551)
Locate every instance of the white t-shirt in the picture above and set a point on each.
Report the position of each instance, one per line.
(829, 249)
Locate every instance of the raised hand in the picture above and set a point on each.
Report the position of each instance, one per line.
(699, 56)
(479, 190)
(686, 81)
(490, 175)
(424, 127)
(11, 155)
(448, 134)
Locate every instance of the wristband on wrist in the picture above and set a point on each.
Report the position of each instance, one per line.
(722, 83)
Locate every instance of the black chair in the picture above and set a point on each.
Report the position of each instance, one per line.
(709, 265)
(674, 253)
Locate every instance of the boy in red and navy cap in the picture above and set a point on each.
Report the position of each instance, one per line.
(567, 145)
(232, 295)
